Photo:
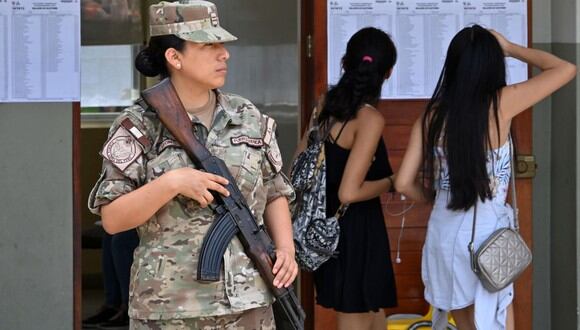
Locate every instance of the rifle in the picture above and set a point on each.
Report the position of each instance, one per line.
(233, 216)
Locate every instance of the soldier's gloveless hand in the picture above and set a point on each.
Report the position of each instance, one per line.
(197, 184)
(285, 267)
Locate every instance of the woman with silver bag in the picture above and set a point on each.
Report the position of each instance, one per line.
(462, 144)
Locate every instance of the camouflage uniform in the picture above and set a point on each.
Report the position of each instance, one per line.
(163, 276)
(257, 317)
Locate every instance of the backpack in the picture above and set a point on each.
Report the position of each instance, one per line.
(315, 236)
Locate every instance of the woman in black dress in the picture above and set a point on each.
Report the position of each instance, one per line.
(359, 282)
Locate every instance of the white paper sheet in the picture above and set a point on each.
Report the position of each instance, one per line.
(347, 17)
(422, 31)
(40, 51)
(508, 17)
(422, 34)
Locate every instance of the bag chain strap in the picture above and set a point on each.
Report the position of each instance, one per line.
(514, 202)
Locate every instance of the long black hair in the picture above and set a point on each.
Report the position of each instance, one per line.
(370, 53)
(458, 114)
(151, 60)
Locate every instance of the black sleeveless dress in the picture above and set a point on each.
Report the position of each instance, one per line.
(361, 278)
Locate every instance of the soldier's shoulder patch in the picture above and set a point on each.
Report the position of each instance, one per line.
(268, 130)
(137, 133)
(275, 158)
(244, 139)
(122, 149)
(167, 142)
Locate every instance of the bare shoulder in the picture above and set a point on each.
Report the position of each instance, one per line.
(369, 117)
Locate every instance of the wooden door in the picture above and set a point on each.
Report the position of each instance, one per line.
(400, 116)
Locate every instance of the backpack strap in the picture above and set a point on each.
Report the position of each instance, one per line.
(316, 111)
(319, 162)
(322, 132)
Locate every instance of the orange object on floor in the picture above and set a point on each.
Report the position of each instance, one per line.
(415, 321)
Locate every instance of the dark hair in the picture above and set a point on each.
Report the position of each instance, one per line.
(459, 112)
(370, 53)
(151, 60)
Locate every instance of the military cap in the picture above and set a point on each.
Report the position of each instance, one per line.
(192, 20)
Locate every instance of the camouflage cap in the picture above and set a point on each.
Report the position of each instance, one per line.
(192, 20)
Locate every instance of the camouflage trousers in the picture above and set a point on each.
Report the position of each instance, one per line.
(253, 319)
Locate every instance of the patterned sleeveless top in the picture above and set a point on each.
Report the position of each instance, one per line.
(498, 170)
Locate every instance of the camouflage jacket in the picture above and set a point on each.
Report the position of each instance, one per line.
(163, 276)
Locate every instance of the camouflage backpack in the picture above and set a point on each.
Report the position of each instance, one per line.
(315, 235)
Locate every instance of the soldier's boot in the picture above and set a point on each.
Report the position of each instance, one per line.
(119, 321)
(105, 313)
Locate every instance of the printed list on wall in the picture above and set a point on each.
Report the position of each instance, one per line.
(39, 51)
(422, 31)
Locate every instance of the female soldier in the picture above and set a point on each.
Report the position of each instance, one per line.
(359, 282)
(148, 182)
(462, 143)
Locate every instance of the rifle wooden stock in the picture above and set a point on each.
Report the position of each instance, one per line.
(233, 216)
(163, 98)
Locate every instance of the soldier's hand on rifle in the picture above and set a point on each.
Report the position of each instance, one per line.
(285, 267)
(197, 184)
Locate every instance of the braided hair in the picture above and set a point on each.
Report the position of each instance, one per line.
(370, 54)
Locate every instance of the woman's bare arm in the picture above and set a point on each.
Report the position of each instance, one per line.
(556, 72)
(353, 187)
(406, 181)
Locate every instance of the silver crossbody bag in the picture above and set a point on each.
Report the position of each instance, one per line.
(504, 255)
